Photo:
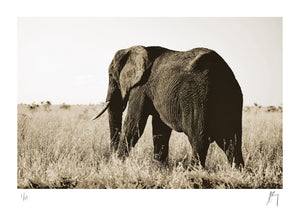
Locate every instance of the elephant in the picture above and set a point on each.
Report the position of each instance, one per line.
(194, 92)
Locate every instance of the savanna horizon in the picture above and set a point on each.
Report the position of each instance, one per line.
(60, 147)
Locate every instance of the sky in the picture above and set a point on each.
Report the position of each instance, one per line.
(66, 59)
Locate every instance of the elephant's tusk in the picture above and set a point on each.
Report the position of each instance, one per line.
(106, 105)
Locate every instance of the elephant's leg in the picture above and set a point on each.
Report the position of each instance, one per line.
(232, 148)
(134, 123)
(161, 136)
(196, 123)
(202, 152)
(200, 147)
(226, 144)
(238, 149)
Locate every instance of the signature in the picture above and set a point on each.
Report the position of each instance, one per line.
(271, 196)
(24, 197)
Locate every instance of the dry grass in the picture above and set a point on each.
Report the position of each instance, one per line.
(62, 148)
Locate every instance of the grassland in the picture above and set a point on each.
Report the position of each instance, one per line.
(60, 147)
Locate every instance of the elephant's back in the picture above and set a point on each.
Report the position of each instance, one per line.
(180, 95)
(174, 91)
(176, 61)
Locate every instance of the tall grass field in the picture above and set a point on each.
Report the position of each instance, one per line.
(60, 147)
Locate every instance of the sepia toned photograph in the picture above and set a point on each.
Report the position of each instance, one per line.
(149, 103)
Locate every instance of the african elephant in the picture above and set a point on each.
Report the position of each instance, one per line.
(194, 92)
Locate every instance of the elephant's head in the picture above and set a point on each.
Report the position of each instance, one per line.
(125, 71)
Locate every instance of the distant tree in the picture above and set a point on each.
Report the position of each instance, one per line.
(46, 105)
(247, 108)
(271, 109)
(64, 106)
(257, 106)
(33, 106)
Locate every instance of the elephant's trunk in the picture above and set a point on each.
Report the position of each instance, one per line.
(115, 107)
(115, 111)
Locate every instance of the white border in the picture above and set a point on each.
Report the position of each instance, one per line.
(11, 196)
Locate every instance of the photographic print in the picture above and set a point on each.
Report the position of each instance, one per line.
(150, 103)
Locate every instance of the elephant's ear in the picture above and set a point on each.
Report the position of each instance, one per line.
(136, 65)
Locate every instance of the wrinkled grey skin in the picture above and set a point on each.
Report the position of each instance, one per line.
(194, 92)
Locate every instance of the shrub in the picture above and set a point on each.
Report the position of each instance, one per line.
(46, 105)
(33, 106)
(65, 106)
(271, 109)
